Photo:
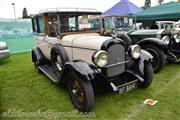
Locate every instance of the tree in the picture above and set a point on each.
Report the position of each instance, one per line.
(147, 4)
(178, 1)
(160, 1)
(24, 13)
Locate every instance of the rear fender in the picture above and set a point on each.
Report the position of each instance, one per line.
(60, 50)
(154, 41)
(39, 55)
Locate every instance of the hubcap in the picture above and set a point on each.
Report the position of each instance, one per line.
(74, 91)
(78, 92)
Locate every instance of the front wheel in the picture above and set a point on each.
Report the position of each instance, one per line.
(148, 75)
(81, 93)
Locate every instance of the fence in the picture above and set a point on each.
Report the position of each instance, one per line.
(17, 34)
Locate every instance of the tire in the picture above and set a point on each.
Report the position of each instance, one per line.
(159, 59)
(81, 93)
(36, 64)
(148, 75)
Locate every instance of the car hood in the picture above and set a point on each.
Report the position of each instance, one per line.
(148, 32)
(90, 41)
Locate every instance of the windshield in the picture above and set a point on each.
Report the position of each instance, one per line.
(118, 22)
(79, 23)
(167, 26)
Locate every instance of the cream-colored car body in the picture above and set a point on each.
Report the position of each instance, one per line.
(77, 46)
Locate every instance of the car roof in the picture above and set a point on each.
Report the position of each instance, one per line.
(76, 11)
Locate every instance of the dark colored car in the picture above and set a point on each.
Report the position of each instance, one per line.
(162, 44)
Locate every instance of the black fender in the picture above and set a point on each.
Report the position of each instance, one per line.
(154, 41)
(59, 49)
(39, 55)
(125, 38)
(145, 56)
(111, 42)
(81, 68)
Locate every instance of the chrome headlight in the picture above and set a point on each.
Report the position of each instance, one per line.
(100, 58)
(177, 38)
(3, 45)
(135, 51)
(166, 39)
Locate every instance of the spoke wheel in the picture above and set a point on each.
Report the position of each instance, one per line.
(78, 92)
(81, 93)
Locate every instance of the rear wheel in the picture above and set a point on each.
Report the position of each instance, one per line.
(36, 63)
(81, 93)
(158, 57)
(148, 75)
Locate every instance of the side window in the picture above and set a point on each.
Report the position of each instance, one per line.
(53, 25)
(72, 23)
(108, 23)
(34, 25)
(64, 23)
(41, 24)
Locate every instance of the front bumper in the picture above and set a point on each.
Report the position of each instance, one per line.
(4, 54)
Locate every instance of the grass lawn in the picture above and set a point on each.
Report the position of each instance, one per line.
(24, 90)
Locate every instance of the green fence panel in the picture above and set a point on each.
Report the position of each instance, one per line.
(17, 34)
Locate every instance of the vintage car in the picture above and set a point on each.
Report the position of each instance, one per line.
(69, 49)
(4, 51)
(168, 25)
(161, 43)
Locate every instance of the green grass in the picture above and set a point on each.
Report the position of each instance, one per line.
(22, 89)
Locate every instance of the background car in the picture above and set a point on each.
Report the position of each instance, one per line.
(161, 43)
(69, 49)
(4, 52)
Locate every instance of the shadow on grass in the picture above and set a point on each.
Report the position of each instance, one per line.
(6, 61)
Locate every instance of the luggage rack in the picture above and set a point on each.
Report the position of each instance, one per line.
(68, 10)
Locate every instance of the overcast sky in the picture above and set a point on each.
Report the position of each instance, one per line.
(33, 6)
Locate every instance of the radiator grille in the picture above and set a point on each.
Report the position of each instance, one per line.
(116, 54)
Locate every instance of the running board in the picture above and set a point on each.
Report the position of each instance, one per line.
(49, 71)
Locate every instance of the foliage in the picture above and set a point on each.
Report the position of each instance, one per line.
(25, 13)
(160, 1)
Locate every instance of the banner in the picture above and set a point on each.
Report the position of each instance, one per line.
(17, 34)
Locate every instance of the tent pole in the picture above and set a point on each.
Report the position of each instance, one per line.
(135, 22)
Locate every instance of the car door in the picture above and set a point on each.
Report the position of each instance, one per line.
(41, 39)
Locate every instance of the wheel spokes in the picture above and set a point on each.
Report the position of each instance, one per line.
(78, 92)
